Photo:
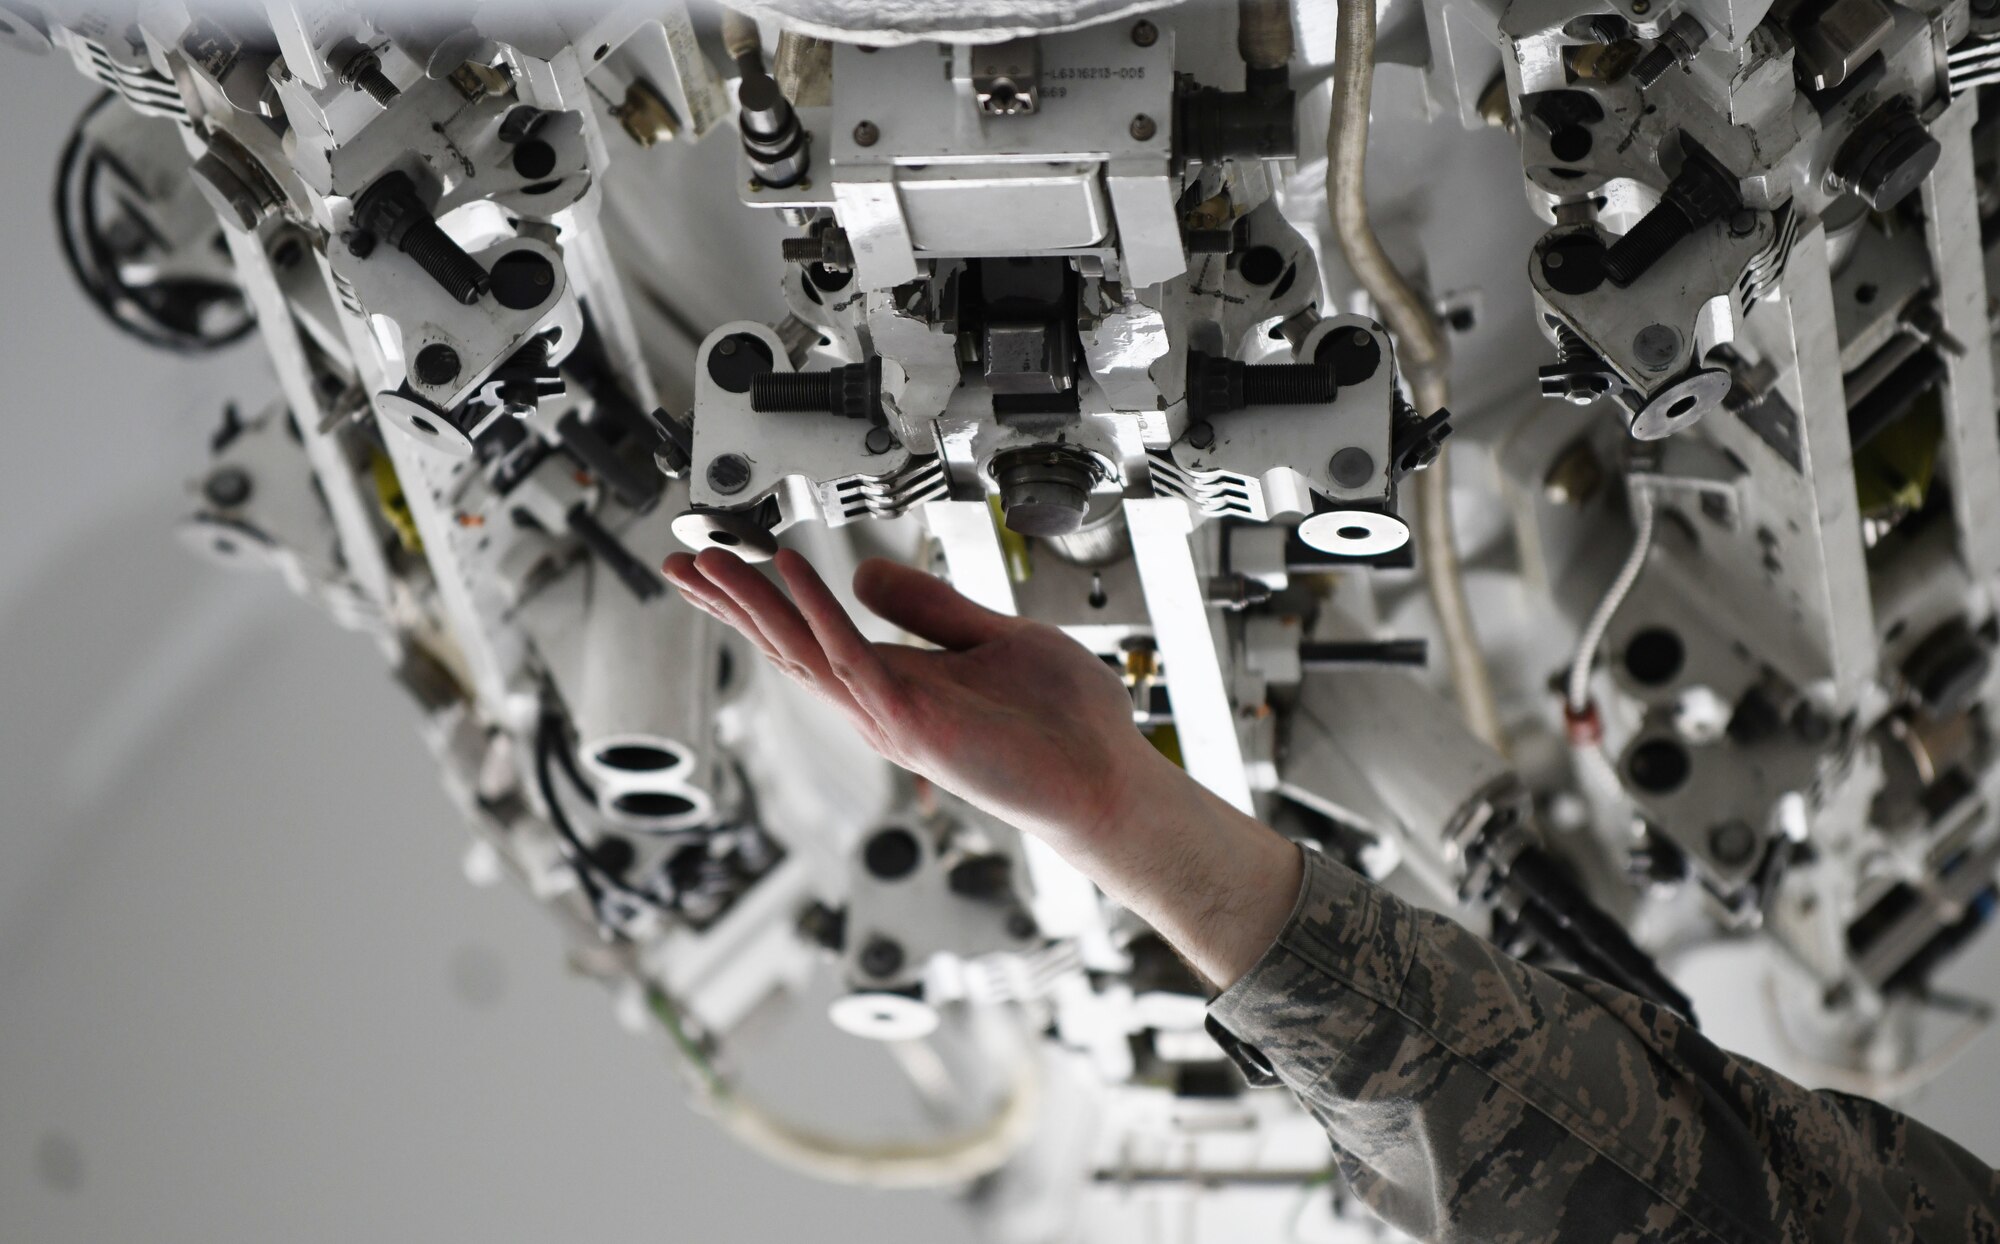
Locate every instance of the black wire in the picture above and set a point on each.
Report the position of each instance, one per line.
(549, 745)
(166, 314)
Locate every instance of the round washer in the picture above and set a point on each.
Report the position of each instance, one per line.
(1354, 533)
(426, 425)
(883, 1016)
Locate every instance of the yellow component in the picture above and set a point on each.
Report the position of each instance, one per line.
(1013, 545)
(395, 509)
(1141, 663)
(1211, 213)
(1893, 472)
(1167, 742)
(645, 115)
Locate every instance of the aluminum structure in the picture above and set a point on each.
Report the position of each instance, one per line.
(1091, 317)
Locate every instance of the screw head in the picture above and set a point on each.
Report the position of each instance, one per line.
(1143, 128)
(729, 473)
(437, 363)
(1145, 34)
(1743, 223)
(1732, 842)
(1201, 434)
(879, 441)
(881, 957)
(228, 487)
(866, 134)
(1352, 467)
(1655, 346)
(1641, 7)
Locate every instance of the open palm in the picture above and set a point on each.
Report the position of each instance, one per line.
(1009, 714)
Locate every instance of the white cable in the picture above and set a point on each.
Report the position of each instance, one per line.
(1578, 693)
(1424, 359)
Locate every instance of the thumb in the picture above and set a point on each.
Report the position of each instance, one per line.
(926, 605)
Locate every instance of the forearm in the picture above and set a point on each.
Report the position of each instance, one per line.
(1216, 884)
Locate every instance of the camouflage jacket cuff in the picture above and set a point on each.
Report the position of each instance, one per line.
(1338, 963)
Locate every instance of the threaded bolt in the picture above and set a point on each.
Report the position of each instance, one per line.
(1219, 385)
(391, 209)
(1702, 192)
(795, 391)
(1287, 384)
(1677, 46)
(801, 250)
(852, 392)
(364, 73)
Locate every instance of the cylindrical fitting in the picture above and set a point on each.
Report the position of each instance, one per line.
(852, 392)
(1264, 33)
(772, 135)
(364, 73)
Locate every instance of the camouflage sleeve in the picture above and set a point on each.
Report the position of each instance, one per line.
(1471, 1097)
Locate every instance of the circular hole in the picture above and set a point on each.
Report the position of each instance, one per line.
(1865, 294)
(603, 50)
(225, 547)
(1570, 143)
(728, 538)
(437, 364)
(1354, 533)
(1654, 656)
(1261, 265)
(1681, 407)
(636, 757)
(653, 803)
(1003, 94)
(1658, 767)
(892, 854)
(423, 425)
(534, 159)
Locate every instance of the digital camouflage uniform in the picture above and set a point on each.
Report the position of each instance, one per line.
(1471, 1097)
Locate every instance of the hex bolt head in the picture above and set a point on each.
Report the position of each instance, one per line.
(1143, 128)
(866, 134)
(881, 957)
(437, 363)
(1145, 34)
(1352, 467)
(729, 473)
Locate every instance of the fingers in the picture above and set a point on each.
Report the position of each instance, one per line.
(926, 605)
(712, 600)
(849, 654)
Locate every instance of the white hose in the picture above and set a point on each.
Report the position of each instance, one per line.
(946, 1163)
(1577, 693)
(1424, 358)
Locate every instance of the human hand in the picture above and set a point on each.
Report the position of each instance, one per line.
(1011, 715)
(1025, 723)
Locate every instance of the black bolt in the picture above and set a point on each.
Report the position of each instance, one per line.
(437, 364)
(228, 487)
(1020, 924)
(879, 440)
(1218, 385)
(1143, 128)
(1145, 34)
(391, 209)
(1702, 192)
(852, 392)
(729, 473)
(881, 957)
(364, 73)
(1201, 434)
(981, 877)
(1353, 354)
(866, 134)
